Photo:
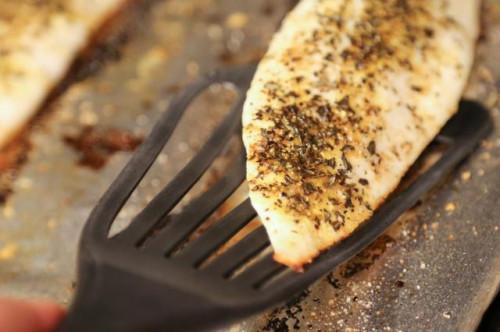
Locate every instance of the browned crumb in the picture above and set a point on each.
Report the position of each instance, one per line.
(450, 207)
(466, 176)
(96, 146)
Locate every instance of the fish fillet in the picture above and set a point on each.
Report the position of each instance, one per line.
(348, 96)
(38, 42)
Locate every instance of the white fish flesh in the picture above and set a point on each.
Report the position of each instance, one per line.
(347, 97)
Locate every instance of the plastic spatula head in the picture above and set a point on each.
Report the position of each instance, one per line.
(134, 282)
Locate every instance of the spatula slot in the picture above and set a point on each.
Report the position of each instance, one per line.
(239, 254)
(199, 250)
(196, 212)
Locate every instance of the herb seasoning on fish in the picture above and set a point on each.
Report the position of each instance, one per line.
(328, 127)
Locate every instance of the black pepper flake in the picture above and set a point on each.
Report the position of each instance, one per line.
(299, 79)
(348, 203)
(363, 182)
(345, 54)
(347, 147)
(372, 147)
(331, 162)
(317, 222)
(324, 111)
(347, 164)
(416, 88)
(344, 104)
(429, 32)
(309, 188)
(339, 222)
(333, 201)
(291, 108)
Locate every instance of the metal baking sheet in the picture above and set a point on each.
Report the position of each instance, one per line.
(437, 269)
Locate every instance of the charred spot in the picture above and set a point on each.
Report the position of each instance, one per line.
(399, 284)
(334, 282)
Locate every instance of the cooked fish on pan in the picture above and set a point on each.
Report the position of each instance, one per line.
(348, 96)
(39, 40)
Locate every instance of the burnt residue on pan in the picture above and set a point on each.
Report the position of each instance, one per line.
(12, 158)
(107, 44)
(281, 319)
(96, 146)
(292, 316)
(367, 257)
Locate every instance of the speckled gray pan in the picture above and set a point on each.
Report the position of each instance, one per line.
(436, 270)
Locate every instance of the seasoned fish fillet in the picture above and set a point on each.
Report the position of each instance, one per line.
(347, 97)
(38, 42)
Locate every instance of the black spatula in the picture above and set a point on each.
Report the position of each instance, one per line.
(133, 282)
